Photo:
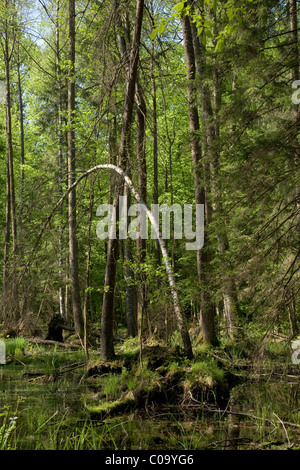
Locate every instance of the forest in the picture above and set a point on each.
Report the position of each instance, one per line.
(150, 224)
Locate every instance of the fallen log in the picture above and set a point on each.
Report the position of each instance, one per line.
(50, 341)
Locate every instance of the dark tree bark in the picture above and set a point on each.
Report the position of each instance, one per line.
(6, 245)
(210, 123)
(193, 116)
(22, 176)
(124, 41)
(9, 147)
(21, 120)
(155, 141)
(61, 292)
(293, 17)
(73, 243)
(142, 189)
(87, 271)
(207, 314)
(169, 169)
(107, 318)
(10, 287)
(131, 291)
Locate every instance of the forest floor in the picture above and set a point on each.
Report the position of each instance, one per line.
(238, 383)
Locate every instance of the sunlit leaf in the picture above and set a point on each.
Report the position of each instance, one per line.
(154, 34)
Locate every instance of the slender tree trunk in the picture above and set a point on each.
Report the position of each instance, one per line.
(230, 298)
(143, 318)
(210, 124)
(155, 142)
(123, 36)
(87, 272)
(21, 120)
(155, 131)
(207, 321)
(293, 16)
(107, 318)
(131, 291)
(6, 270)
(7, 235)
(73, 243)
(9, 148)
(141, 144)
(61, 291)
(21, 233)
(113, 152)
(10, 282)
(295, 76)
(169, 176)
(193, 115)
(181, 321)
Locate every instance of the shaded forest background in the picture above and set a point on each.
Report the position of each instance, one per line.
(194, 101)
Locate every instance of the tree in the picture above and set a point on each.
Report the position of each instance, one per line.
(203, 114)
(107, 348)
(293, 17)
(61, 294)
(10, 289)
(73, 242)
(207, 308)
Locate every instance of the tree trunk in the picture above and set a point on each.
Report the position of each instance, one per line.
(131, 291)
(293, 16)
(21, 120)
(143, 319)
(181, 321)
(10, 283)
(210, 121)
(22, 176)
(207, 322)
(107, 348)
(9, 148)
(180, 318)
(73, 244)
(295, 77)
(6, 270)
(155, 143)
(87, 272)
(61, 291)
(124, 40)
(169, 176)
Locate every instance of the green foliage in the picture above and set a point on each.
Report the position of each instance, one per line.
(248, 169)
(206, 369)
(130, 347)
(88, 437)
(16, 346)
(175, 339)
(8, 426)
(111, 386)
(147, 379)
(204, 25)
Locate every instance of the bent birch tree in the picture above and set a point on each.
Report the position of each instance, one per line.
(180, 317)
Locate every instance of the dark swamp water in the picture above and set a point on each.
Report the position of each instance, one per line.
(46, 413)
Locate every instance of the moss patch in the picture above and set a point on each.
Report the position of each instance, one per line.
(111, 408)
(163, 377)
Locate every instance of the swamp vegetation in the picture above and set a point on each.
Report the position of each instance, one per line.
(124, 333)
(227, 398)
